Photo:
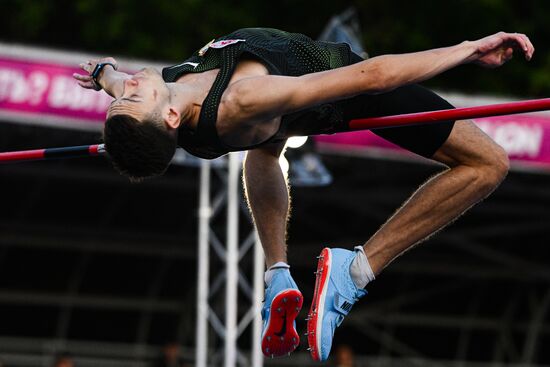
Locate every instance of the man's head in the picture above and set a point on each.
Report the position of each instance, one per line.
(140, 132)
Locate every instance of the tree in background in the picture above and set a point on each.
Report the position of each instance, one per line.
(169, 30)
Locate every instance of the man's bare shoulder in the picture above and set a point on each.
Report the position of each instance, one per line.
(248, 68)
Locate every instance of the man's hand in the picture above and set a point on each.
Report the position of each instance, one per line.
(493, 51)
(85, 81)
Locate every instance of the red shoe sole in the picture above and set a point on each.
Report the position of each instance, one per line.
(315, 315)
(280, 337)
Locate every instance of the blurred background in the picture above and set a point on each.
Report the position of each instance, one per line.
(97, 271)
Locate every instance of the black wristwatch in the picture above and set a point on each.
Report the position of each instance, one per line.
(97, 70)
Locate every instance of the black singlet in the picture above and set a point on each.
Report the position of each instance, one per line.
(283, 53)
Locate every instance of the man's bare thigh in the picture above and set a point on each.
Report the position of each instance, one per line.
(468, 144)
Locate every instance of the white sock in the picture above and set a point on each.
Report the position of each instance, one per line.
(360, 270)
(271, 271)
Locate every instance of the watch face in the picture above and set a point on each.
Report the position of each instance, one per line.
(97, 69)
(95, 74)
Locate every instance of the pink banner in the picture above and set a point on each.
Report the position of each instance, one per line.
(45, 92)
(36, 90)
(526, 138)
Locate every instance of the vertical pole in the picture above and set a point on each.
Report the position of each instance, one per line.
(232, 261)
(201, 352)
(258, 280)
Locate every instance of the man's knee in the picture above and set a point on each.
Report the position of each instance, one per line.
(495, 166)
(471, 148)
(487, 171)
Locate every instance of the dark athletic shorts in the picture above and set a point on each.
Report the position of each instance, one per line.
(424, 140)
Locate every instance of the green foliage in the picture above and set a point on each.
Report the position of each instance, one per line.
(170, 30)
(408, 26)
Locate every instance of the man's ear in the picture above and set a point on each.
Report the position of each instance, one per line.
(172, 118)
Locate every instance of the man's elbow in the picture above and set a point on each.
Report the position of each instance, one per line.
(380, 77)
(236, 100)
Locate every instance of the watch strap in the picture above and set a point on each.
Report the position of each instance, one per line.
(97, 70)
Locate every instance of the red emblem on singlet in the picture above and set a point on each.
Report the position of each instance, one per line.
(223, 43)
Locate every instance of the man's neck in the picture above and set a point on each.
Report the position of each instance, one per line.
(188, 94)
(183, 98)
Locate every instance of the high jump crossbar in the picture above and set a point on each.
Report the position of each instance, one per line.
(464, 113)
(52, 153)
(501, 109)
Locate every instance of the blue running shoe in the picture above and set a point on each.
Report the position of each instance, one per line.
(283, 302)
(335, 294)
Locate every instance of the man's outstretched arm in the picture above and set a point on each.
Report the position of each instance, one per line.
(270, 96)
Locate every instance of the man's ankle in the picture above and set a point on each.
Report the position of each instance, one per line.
(360, 269)
(268, 276)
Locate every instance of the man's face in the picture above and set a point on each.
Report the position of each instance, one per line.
(142, 93)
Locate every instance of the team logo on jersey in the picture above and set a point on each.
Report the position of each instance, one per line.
(222, 44)
(219, 44)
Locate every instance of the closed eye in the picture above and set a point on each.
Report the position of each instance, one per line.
(126, 99)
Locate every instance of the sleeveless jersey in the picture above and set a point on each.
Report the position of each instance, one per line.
(283, 53)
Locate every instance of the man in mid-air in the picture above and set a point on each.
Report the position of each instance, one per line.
(254, 88)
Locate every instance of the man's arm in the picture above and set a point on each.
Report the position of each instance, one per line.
(110, 80)
(270, 96)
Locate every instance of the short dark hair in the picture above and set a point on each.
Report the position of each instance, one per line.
(138, 149)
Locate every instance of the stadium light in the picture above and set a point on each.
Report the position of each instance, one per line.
(296, 141)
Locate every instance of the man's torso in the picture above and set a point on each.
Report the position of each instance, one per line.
(245, 54)
(236, 129)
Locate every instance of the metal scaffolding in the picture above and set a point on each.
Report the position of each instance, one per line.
(210, 279)
(477, 295)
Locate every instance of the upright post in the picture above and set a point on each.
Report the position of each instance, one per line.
(259, 267)
(232, 261)
(213, 305)
(201, 352)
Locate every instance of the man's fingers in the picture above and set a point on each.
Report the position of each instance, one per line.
(81, 77)
(531, 48)
(508, 54)
(525, 44)
(520, 38)
(88, 66)
(86, 85)
(528, 47)
(85, 67)
(85, 81)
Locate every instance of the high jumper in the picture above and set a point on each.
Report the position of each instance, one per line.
(253, 89)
